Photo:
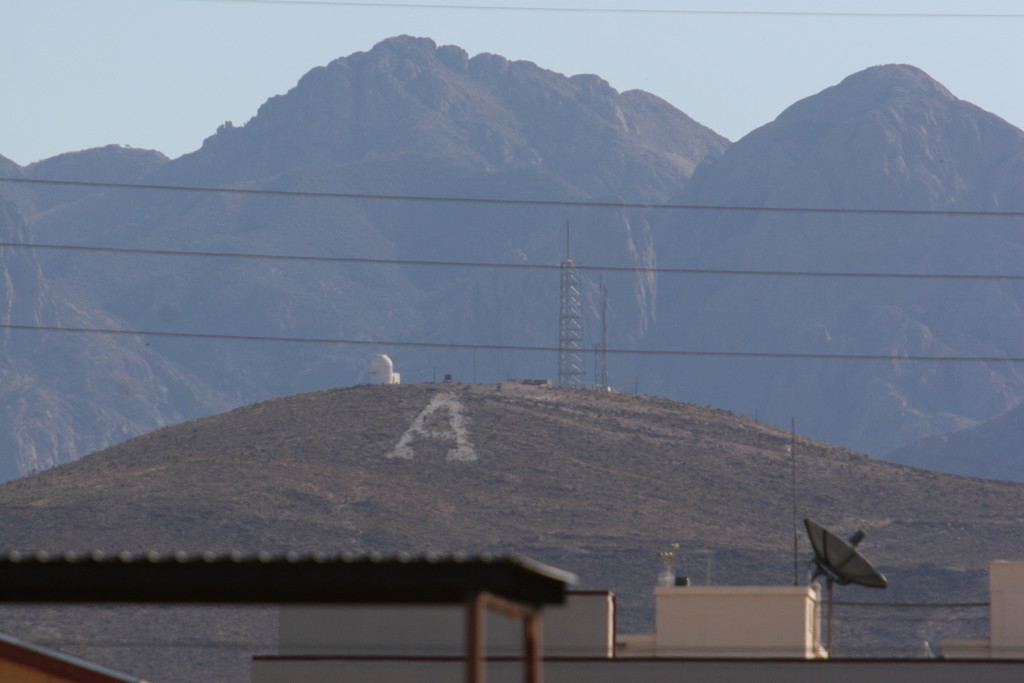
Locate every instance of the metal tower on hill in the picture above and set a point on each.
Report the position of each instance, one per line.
(570, 325)
(601, 357)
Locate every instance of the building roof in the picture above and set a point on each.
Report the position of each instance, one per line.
(60, 666)
(274, 579)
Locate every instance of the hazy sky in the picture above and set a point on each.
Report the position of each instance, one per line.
(163, 74)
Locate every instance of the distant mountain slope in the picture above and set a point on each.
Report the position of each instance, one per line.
(992, 449)
(590, 481)
(63, 396)
(110, 164)
(886, 138)
(405, 118)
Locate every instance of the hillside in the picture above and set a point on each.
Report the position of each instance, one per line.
(593, 482)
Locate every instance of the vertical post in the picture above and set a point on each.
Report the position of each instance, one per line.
(601, 371)
(792, 455)
(828, 638)
(476, 637)
(534, 672)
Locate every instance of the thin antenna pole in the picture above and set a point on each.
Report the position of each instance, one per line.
(602, 358)
(792, 455)
(567, 241)
(828, 638)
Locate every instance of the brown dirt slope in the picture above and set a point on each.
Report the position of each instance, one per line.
(589, 481)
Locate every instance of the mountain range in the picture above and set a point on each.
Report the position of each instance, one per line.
(887, 138)
(333, 169)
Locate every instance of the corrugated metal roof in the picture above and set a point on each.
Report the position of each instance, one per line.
(235, 577)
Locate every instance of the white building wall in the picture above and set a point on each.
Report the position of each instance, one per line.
(1006, 618)
(1007, 609)
(382, 371)
(732, 621)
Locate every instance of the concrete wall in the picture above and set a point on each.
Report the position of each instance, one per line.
(659, 670)
(1007, 609)
(737, 621)
(1006, 618)
(583, 627)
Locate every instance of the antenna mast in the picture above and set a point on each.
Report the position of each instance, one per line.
(792, 455)
(602, 356)
(570, 324)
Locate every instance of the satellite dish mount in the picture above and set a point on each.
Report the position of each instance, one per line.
(839, 562)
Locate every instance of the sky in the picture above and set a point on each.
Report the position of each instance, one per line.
(164, 74)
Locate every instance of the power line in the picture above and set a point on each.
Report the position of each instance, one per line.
(513, 347)
(633, 10)
(915, 605)
(517, 202)
(511, 266)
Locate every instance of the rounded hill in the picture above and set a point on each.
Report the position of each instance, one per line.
(590, 481)
(571, 475)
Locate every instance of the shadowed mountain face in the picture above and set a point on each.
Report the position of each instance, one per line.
(886, 138)
(992, 449)
(67, 395)
(589, 481)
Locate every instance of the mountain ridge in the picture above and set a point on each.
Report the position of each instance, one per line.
(870, 146)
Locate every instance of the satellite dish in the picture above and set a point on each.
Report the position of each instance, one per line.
(839, 561)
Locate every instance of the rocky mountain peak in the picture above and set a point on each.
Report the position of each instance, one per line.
(872, 89)
(888, 137)
(408, 97)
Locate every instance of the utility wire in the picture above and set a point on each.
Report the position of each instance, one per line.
(632, 10)
(512, 347)
(516, 202)
(509, 266)
(914, 605)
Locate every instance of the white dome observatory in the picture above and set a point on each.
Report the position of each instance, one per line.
(382, 371)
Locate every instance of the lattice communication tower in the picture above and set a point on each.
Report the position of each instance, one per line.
(570, 329)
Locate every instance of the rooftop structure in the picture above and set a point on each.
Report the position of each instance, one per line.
(1006, 618)
(382, 371)
(731, 622)
(22, 662)
(514, 586)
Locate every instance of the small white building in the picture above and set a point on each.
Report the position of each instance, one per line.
(1006, 618)
(382, 371)
(731, 622)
